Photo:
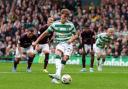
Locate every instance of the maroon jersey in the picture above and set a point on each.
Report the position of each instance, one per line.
(88, 37)
(26, 41)
(46, 38)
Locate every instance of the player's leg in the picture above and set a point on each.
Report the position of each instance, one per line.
(15, 63)
(58, 56)
(92, 60)
(66, 53)
(31, 54)
(30, 61)
(17, 59)
(46, 53)
(59, 66)
(58, 59)
(46, 62)
(62, 50)
(57, 75)
(44, 48)
(103, 60)
(98, 53)
(99, 61)
(83, 59)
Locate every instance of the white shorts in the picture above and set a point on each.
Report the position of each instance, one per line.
(44, 47)
(24, 50)
(65, 48)
(87, 48)
(98, 50)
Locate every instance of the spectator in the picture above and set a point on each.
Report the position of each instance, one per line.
(17, 16)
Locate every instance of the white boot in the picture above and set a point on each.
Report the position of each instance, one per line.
(55, 81)
(91, 70)
(100, 67)
(83, 70)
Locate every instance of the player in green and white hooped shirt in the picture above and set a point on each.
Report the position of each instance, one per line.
(65, 34)
(102, 41)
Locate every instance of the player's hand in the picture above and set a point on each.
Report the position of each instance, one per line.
(34, 43)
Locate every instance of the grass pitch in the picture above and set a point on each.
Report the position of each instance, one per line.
(109, 78)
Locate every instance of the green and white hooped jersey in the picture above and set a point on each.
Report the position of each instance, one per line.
(63, 32)
(102, 39)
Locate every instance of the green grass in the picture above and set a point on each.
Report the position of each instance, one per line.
(109, 78)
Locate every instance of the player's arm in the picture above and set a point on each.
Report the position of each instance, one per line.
(108, 45)
(73, 38)
(40, 37)
(52, 36)
(45, 33)
(75, 35)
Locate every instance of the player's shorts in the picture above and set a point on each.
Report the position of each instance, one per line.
(44, 47)
(65, 48)
(24, 50)
(87, 48)
(98, 50)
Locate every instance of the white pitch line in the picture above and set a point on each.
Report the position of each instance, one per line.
(96, 72)
(71, 72)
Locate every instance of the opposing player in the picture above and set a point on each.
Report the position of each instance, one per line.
(25, 50)
(88, 39)
(102, 42)
(44, 43)
(65, 34)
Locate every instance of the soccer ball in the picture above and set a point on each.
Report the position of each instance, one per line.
(66, 79)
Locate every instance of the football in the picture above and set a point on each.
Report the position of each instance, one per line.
(66, 79)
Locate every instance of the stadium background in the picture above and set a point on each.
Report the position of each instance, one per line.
(110, 78)
(15, 17)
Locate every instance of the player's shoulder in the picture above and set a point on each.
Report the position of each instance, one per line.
(56, 22)
(71, 23)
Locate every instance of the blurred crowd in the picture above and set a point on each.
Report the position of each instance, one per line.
(17, 16)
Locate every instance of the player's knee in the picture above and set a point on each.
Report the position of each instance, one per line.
(37, 48)
(65, 58)
(99, 55)
(58, 52)
(30, 59)
(17, 60)
(30, 54)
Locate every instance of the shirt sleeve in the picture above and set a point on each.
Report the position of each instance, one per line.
(73, 29)
(97, 36)
(50, 28)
